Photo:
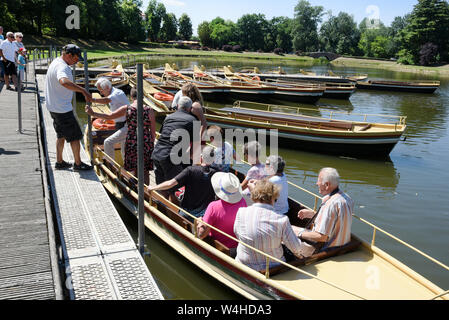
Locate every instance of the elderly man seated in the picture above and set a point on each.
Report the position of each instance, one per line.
(331, 224)
(116, 98)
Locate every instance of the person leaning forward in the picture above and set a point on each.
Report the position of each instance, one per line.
(198, 187)
(59, 88)
(332, 222)
(170, 151)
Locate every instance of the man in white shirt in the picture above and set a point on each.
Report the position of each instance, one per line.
(2, 72)
(8, 51)
(116, 98)
(59, 88)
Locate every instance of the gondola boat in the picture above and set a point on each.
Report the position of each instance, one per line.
(325, 134)
(339, 273)
(400, 86)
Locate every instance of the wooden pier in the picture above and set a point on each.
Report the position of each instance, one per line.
(28, 261)
(99, 259)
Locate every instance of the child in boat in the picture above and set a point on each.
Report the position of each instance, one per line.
(274, 167)
(251, 153)
(224, 152)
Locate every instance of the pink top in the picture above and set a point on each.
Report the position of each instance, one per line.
(221, 215)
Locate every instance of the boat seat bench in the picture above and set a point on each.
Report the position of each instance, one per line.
(331, 252)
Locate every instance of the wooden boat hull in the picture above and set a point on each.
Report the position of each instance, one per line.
(313, 134)
(343, 94)
(396, 87)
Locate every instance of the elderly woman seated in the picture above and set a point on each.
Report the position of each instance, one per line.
(260, 227)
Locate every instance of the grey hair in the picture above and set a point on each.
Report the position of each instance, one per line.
(9, 33)
(18, 34)
(276, 163)
(104, 83)
(184, 103)
(208, 155)
(330, 175)
(252, 148)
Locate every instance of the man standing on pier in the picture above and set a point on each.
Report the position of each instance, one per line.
(59, 89)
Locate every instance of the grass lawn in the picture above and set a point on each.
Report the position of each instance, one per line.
(441, 71)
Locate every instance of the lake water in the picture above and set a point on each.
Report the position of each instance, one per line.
(405, 196)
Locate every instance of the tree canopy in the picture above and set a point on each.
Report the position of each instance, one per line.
(419, 37)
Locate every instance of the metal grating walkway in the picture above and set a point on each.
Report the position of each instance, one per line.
(102, 261)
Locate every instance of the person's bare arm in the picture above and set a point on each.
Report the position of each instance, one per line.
(164, 185)
(70, 85)
(313, 236)
(120, 112)
(104, 100)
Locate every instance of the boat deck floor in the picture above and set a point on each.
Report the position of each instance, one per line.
(361, 272)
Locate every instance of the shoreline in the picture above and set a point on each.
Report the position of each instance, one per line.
(442, 71)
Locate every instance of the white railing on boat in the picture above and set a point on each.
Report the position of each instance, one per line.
(271, 258)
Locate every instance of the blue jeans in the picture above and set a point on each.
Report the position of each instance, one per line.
(196, 212)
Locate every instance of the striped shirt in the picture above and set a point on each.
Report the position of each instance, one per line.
(261, 228)
(335, 219)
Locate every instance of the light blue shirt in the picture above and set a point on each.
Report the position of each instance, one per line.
(22, 61)
(118, 99)
(281, 205)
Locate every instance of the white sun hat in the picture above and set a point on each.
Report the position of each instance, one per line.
(227, 187)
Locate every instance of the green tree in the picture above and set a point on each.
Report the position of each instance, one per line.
(132, 21)
(428, 23)
(305, 26)
(9, 21)
(252, 29)
(155, 13)
(169, 27)
(112, 27)
(185, 27)
(283, 30)
(340, 34)
(222, 32)
(204, 33)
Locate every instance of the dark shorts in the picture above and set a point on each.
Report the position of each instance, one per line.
(66, 126)
(165, 170)
(10, 68)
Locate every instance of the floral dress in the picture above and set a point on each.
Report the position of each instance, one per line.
(131, 139)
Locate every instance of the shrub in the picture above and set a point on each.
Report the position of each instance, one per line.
(226, 48)
(278, 51)
(405, 57)
(428, 54)
(237, 48)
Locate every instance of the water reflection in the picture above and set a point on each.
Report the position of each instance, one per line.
(303, 167)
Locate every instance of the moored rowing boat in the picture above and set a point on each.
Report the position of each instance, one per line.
(358, 139)
(359, 270)
(401, 86)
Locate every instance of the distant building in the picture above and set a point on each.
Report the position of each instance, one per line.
(184, 42)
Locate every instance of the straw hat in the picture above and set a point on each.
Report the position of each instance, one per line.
(227, 187)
